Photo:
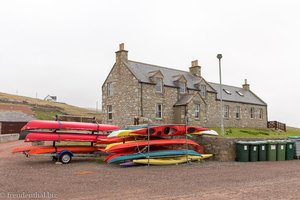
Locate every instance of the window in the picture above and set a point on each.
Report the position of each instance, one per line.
(158, 86)
(182, 87)
(261, 112)
(241, 94)
(252, 113)
(109, 89)
(203, 90)
(159, 111)
(109, 112)
(238, 112)
(197, 111)
(226, 111)
(227, 91)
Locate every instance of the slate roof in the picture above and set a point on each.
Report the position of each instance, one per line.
(8, 116)
(143, 71)
(248, 96)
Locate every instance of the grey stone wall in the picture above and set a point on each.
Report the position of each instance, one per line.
(125, 100)
(150, 98)
(245, 121)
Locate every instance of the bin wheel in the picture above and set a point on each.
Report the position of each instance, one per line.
(65, 158)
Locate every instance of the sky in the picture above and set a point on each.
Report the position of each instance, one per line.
(66, 48)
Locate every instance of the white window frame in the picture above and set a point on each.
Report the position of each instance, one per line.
(261, 112)
(182, 87)
(238, 112)
(197, 111)
(252, 113)
(203, 90)
(110, 89)
(159, 85)
(159, 111)
(109, 112)
(226, 111)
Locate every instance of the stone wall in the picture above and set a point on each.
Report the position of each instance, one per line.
(125, 100)
(167, 98)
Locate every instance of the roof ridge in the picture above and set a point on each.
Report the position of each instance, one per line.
(225, 85)
(159, 66)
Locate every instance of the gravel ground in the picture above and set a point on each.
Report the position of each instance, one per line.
(84, 178)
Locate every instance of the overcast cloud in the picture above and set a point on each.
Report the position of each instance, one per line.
(67, 48)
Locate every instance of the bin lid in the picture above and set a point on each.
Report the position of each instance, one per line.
(281, 141)
(261, 142)
(243, 142)
(290, 141)
(272, 141)
(293, 137)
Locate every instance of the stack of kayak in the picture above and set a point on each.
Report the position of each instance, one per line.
(156, 145)
(62, 131)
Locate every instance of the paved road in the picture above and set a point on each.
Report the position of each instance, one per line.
(87, 179)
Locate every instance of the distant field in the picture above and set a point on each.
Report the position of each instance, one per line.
(47, 110)
(258, 133)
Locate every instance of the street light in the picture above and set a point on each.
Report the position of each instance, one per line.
(219, 56)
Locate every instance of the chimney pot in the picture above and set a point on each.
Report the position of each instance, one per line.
(121, 46)
(195, 63)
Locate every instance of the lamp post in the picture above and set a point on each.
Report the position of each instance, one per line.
(219, 56)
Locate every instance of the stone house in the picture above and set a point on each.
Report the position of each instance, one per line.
(169, 96)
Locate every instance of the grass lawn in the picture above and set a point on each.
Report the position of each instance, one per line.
(258, 133)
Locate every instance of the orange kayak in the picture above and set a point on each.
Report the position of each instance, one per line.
(50, 149)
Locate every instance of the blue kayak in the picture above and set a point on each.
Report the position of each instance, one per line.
(152, 154)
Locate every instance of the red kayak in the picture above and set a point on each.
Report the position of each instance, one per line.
(63, 125)
(119, 148)
(46, 136)
(169, 130)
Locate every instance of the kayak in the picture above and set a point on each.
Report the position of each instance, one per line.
(31, 150)
(165, 153)
(161, 131)
(142, 143)
(170, 161)
(64, 125)
(54, 136)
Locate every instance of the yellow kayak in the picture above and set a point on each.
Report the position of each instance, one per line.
(122, 133)
(171, 161)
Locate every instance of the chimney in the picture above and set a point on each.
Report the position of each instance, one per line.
(246, 86)
(195, 69)
(122, 54)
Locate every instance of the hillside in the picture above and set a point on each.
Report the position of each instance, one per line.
(46, 110)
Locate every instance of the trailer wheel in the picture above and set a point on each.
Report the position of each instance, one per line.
(65, 158)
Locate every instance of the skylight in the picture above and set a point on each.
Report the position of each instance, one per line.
(241, 94)
(227, 91)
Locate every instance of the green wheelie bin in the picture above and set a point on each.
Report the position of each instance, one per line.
(272, 150)
(281, 146)
(262, 150)
(242, 151)
(253, 154)
(290, 150)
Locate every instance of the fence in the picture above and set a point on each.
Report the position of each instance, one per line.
(277, 125)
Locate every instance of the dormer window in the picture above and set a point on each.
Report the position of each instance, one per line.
(203, 90)
(159, 85)
(182, 87)
(227, 91)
